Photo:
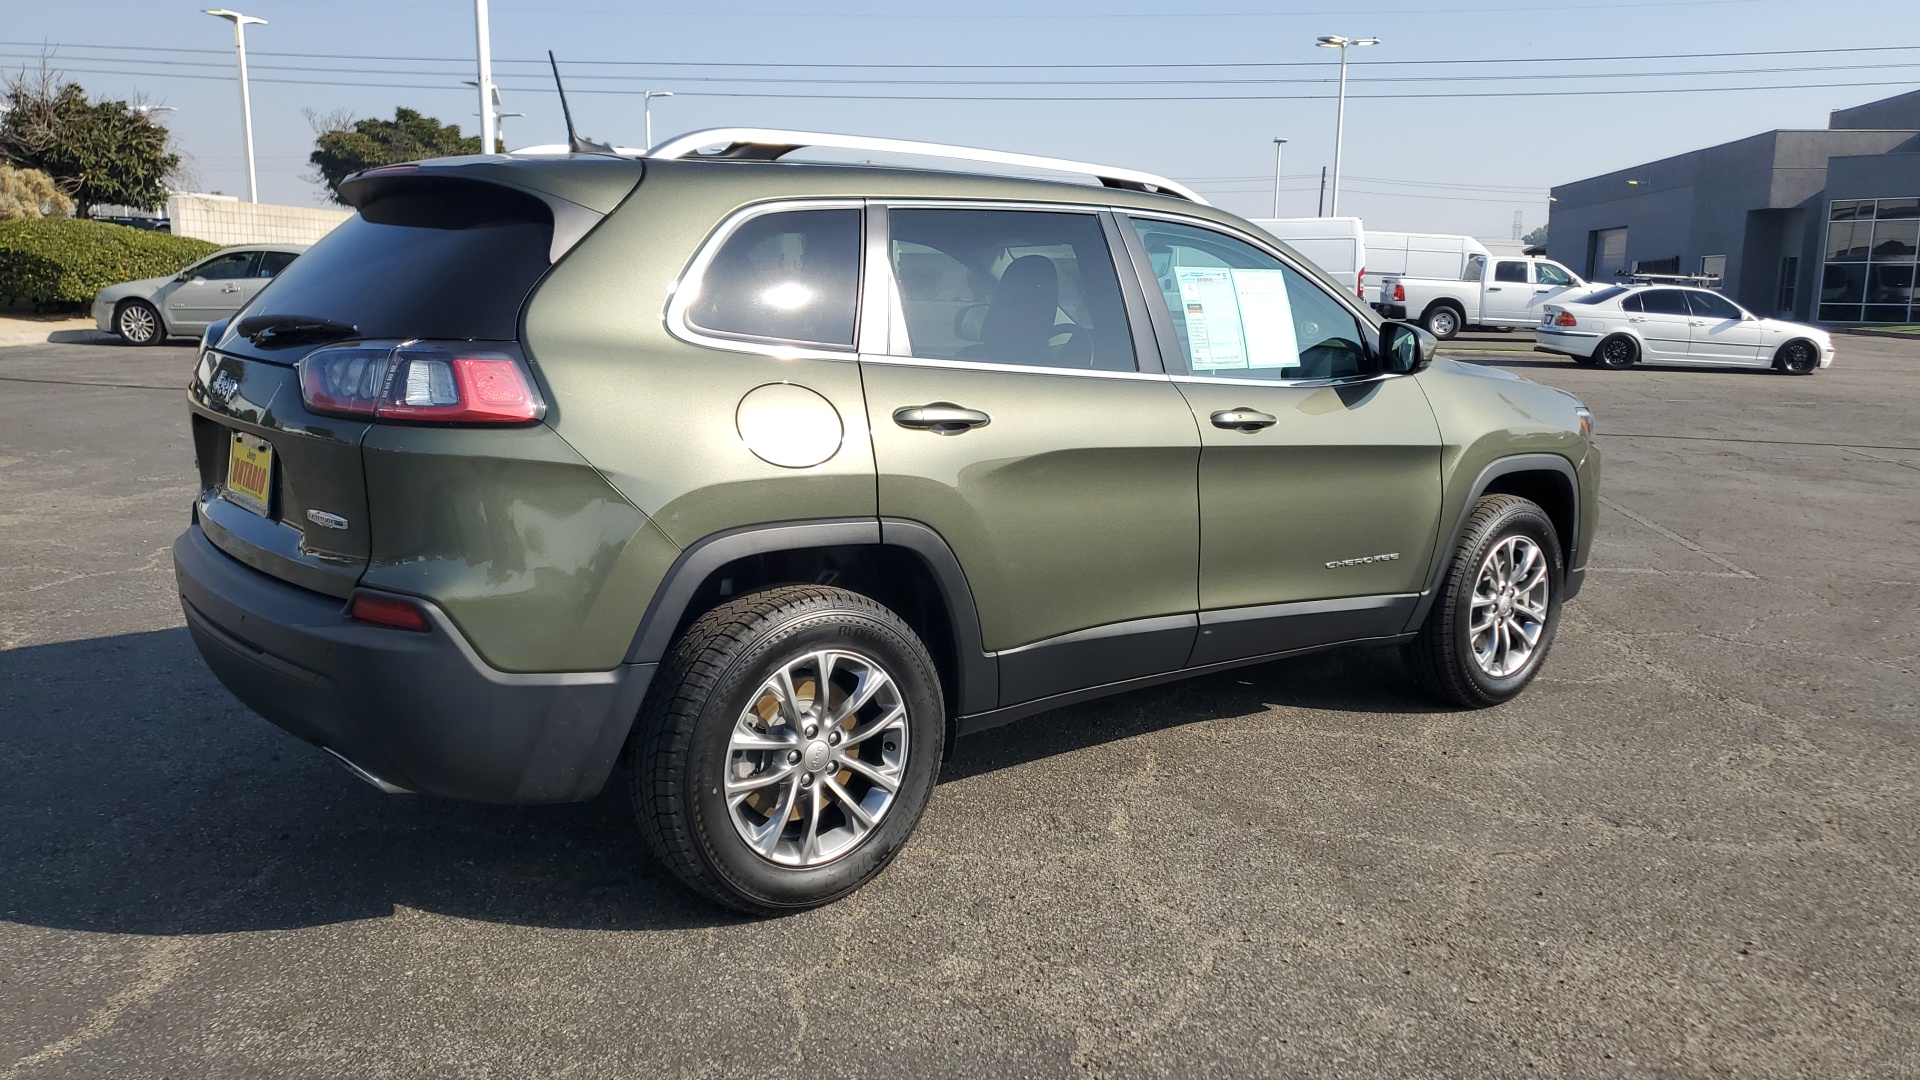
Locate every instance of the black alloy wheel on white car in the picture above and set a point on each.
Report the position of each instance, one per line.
(1617, 353)
(1797, 357)
(138, 323)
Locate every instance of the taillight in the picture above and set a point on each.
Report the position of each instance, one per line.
(1565, 318)
(1360, 284)
(389, 611)
(428, 382)
(1399, 293)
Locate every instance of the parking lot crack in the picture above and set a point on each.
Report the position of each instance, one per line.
(159, 965)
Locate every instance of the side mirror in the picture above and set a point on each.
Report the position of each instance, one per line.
(1406, 348)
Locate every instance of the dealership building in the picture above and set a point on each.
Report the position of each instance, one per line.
(1819, 225)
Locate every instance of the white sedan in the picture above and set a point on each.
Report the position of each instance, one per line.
(1622, 325)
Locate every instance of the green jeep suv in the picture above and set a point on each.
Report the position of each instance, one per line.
(773, 478)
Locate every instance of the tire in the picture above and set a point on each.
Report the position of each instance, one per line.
(1442, 321)
(1797, 357)
(1617, 353)
(138, 323)
(716, 709)
(1506, 538)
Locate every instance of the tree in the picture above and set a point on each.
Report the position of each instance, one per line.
(345, 146)
(1535, 238)
(103, 151)
(30, 193)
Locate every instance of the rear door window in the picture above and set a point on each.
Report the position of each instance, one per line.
(1663, 302)
(272, 262)
(434, 259)
(1031, 288)
(1510, 271)
(786, 277)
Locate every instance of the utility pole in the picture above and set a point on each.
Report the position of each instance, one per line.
(1321, 211)
(646, 110)
(489, 131)
(1340, 111)
(246, 104)
(1278, 146)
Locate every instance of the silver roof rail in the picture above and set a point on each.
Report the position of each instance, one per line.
(771, 144)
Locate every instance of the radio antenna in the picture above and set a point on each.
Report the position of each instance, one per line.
(575, 143)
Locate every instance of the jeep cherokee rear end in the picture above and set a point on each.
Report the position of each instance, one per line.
(380, 501)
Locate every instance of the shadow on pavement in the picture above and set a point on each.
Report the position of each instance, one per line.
(82, 337)
(136, 796)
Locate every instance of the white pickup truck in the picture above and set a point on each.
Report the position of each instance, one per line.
(1491, 292)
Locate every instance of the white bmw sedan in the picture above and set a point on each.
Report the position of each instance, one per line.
(1664, 324)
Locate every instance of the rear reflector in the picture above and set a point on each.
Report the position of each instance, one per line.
(390, 612)
(445, 383)
(1565, 318)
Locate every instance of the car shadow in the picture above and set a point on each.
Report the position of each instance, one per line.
(82, 337)
(137, 796)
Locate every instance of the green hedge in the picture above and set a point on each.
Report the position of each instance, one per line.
(67, 260)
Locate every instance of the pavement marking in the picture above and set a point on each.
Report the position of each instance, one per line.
(1651, 570)
(157, 968)
(1760, 442)
(77, 382)
(1678, 539)
(1876, 457)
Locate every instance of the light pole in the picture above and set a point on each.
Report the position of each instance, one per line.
(1340, 111)
(1278, 146)
(489, 96)
(646, 110)
(246, 104)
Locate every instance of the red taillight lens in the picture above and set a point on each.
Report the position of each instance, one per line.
(390, 612)
(1399, 293)
(1360, 284)
(1565, 318)
(452, 383)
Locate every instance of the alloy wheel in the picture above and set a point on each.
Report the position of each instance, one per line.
(137, 323)
(1509, 608)
(1799, 358)
(816, 758)
(1617, 353)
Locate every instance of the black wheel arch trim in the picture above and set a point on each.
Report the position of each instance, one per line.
(1494, 470)
(978, 687)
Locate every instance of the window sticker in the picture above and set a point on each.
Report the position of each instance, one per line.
(1237, 319)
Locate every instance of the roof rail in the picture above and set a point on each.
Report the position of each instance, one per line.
(1703, 281)
(771, 144)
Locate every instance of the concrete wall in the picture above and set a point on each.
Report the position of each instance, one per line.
(1901, 111)
(223, 219)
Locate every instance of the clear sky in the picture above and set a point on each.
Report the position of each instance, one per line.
(1442, 164)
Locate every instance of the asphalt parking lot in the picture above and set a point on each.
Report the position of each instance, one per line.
(1688, 850)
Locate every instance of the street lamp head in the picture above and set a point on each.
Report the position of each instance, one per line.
(237, 18)
(659, 93)
(1335, 41)
(1279, 142)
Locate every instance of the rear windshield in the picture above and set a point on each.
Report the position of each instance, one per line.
(431, 260)
(1600, 297)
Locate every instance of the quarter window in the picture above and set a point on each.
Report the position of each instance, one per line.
(792, 276)
(1021, 287)
(1241, 313)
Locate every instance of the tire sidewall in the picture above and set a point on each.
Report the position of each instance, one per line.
(1601, 359)
(1521, 519)
(1434, 322)
(720, 846)
(1782, 362)
(159, 330)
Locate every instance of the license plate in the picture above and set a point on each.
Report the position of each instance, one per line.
(250, 473)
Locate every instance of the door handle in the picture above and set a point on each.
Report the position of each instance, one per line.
(1543, 288)
(1493, 288)
(1247, 420)
(940, 417)
(1637, 318)
(231, 288)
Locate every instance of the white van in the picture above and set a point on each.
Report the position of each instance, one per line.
(1420, 255)
(1337, 245)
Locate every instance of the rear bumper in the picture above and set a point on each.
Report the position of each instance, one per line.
(1392, 311)
(1565, 342)
(419, 712)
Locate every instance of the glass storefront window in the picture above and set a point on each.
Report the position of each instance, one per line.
(1870, 267)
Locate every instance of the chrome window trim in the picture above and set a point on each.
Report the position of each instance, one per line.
(1125, 214)
(686, 289)
(889, 294)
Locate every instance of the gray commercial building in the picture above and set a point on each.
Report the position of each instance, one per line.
(1820, 225)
